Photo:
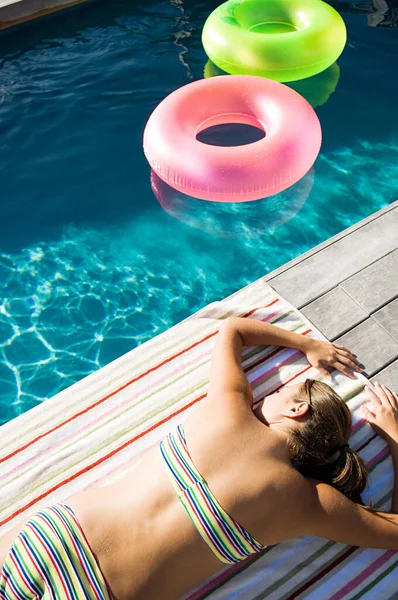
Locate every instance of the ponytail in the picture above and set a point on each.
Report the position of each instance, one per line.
(350, 475)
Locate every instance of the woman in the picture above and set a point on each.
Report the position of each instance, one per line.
(133, 540)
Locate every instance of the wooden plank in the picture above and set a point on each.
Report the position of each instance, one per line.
(316, 249)
(20, 11)
(387, 317)
(374, 347)
(388, 376)
(321, 272)
(375, 285)
(334, 313)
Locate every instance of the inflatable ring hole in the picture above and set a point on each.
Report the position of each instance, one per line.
(230, 134)
(269, 18)
(230, 130)
(273, 27)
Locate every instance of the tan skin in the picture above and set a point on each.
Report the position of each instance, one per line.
(144, 542)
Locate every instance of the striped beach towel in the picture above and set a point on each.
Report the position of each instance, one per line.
(96, 430)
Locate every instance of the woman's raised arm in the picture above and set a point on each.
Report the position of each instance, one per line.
(228, 382)
(228, 385)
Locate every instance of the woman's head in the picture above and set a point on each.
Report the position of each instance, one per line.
(319, 429)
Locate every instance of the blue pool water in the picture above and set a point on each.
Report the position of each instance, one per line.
(91, 263)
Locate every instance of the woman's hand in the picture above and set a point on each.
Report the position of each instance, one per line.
(382, 411)
(325, 354)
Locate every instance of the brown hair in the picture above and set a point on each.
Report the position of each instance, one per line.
(319, 446)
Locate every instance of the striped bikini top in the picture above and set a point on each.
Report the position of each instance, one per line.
(229, 541)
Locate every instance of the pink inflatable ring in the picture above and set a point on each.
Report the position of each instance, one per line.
(239, 173)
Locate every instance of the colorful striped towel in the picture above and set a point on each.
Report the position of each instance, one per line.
(91, 433)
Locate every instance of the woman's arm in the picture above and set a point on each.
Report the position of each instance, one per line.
(333, 516)
(382, 414)
(256, 333)
(320, 354)
(394, 456)
(228, 383)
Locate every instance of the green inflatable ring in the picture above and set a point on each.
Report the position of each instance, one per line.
(283, 40)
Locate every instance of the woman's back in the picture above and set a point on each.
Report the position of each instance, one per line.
(143, 539)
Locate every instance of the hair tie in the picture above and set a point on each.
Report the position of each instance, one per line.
(336, 454)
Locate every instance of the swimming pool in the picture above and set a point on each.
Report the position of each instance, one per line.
(91, 263)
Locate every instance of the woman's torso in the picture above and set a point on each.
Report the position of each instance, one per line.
(143, 539)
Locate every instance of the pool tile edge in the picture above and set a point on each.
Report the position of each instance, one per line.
(16, 12)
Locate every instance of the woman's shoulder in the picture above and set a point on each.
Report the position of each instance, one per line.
(287, 499)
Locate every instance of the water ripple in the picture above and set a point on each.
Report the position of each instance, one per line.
(90, 264)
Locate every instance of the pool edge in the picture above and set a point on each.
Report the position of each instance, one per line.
(17, 12)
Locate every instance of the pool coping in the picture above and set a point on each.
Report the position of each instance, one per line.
(332, 240)
(16, 12)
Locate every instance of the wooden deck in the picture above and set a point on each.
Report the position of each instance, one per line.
(348, 288)
(15, 12)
